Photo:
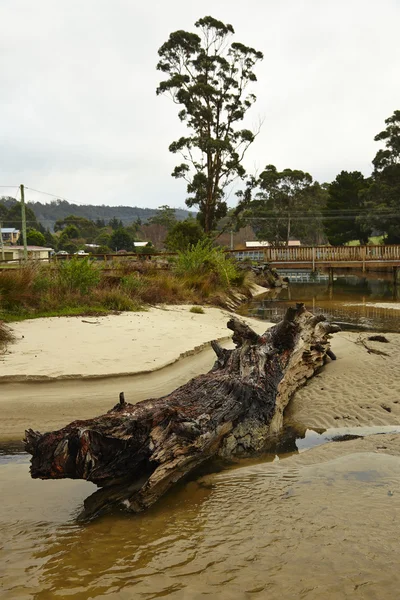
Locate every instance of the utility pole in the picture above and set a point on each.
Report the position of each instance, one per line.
(231, 239)
(1, 241)
(23, 215)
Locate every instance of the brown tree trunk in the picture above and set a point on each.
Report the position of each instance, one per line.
(137, 452)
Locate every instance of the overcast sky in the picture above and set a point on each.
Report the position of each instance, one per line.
(80, 117)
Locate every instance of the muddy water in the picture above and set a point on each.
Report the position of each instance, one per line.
(308, 524)
(351, 301)
(270, 530)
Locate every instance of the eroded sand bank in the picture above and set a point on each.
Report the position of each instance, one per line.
(357, 389)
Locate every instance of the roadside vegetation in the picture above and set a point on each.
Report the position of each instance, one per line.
(80, 286)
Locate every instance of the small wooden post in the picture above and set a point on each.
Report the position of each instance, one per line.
(363, 254)
(330, 276)
(313, 259)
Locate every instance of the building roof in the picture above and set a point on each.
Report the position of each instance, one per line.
(29, 248)
(263, 244)
(9, 230)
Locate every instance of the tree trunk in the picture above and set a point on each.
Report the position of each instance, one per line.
(137, 452)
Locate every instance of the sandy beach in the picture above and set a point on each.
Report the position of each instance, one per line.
(61, 369)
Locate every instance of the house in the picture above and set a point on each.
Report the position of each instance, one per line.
(34, 252)
(254, 250)
(10, 235)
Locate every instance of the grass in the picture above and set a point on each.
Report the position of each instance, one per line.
(198, 310)
(376, 240)
(203, 274)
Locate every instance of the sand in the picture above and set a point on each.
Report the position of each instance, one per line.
(123, 344)
(66, 368)
(357, 389)
(62, 369)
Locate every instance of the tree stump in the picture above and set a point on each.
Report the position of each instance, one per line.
(136, 452)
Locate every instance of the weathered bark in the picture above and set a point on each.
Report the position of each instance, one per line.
(137, 452)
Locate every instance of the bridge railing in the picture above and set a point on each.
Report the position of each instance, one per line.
(331, 253)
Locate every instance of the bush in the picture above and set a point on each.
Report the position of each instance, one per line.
(16, 288)
(198, 310)
(116, 299)
(183, 235)
(78, 275)
(203, 259)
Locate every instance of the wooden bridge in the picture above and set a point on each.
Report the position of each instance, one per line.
(325, 257)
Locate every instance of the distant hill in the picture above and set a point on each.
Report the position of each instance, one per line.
(48, 214)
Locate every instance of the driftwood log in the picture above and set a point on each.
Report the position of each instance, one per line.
(136, 452)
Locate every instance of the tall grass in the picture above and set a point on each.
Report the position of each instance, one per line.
(202, 259)
(80, 286)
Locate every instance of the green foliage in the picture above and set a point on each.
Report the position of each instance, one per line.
(282, 205)
(184, 234)
(122, 240)
(345, 206)
(383, 196)
(35, 238)
(117, 299)
(198, 310)
(204, 259)
(78, 274)
(71, 232)
(13, 218)
(82, 228)
(208, 77)
(115, 224)
(165, 216)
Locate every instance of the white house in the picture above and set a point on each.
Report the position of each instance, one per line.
(34, 252)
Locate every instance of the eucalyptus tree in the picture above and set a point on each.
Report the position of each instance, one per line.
(383, 196)
(283, 204)
(208, 76)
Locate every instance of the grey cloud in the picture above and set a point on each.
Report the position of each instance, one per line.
(79, 114)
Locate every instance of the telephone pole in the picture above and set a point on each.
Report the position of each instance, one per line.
(1, 241)
(23, 216)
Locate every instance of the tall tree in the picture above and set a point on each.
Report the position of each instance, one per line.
(122, 240)
(165, 216)
(383, 196)
(184, 234)
(280, 205)
(208, 77)
(345, 209)
(13, 218)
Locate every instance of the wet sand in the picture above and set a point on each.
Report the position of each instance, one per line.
(357, 389)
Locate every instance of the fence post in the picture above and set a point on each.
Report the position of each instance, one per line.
(313, 258)
(363, 254)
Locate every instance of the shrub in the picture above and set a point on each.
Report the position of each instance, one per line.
(16, 288)
(204, 259)
(183, 235)
(78, 274)
(198, 310)
(116, 299)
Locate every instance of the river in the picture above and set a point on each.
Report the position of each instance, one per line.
(305, 523)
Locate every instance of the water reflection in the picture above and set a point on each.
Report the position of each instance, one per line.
(349, 302)
(272, 529)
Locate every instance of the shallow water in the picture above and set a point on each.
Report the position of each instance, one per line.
(349, 302)
(285, 527)
(268, 530)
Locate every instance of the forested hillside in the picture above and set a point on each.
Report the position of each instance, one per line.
(47, 214)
